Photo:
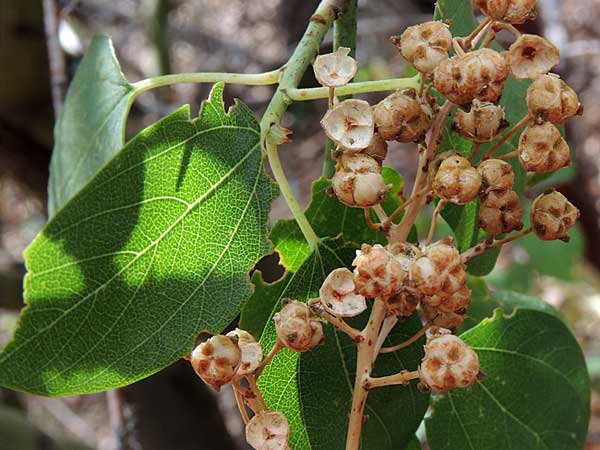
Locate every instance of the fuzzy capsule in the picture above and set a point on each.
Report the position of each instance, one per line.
(339, 294)
(402, 117)
(251, 351)
(552, 215)
(511, 11)
(268, 430)
(425, 45)
(457, 181)
(542, 149)
(450, 321)
(403, 303)
(377, 272)
(550, 99)
(448, 363)
(377, 149)
(216, 361)
(497, 177)
(296, 328)
(531, 56)
(350, 124)
(454, 302)
(483, 122)
(358, 181)
(501, 214)
(479, 74)
(335, 69)
(438, 270)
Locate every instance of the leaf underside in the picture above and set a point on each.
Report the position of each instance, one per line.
(156, 248)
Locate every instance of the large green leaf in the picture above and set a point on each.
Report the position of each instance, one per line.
(91, 126)
(156, 248)
(536, 394)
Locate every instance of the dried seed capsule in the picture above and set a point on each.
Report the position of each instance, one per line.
(552, 215)
(503, 216)
(339, 294)
(457, 301)
(358, 181)
(251, 355)
(457, 181)
(450, 321)
(377, 272)
(438, 270)
(296, 328)
(377, 149)
(482, 123)
(550, 99)
(402, 117)
(216, 361)
(425, 45)
(268, 430)
(448, 363)
(480, 74)
(402, 304)
(511, 11)
(543, 149)
(350, 124)
(531, 56)
(335, 69)
(497, 176)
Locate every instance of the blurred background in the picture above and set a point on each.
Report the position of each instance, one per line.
(41, 43)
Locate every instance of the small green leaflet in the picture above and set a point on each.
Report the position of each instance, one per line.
(90, 129)
(536, 394)
(156, 248)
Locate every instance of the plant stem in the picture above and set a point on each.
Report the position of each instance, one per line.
(388, 325)
(399, 378)
(436, 213)
(468, 41)
(520, 124)
(364, 365)
(408, 342)
(240, 403)
(509, 155)
(360, 87)
(321, 310)
(274, 350)
(486, 245)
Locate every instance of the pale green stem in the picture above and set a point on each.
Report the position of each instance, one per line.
(360, 87)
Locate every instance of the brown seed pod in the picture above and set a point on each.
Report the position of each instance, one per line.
(358, 181)
(377, 149)
(457, 181)
(483, 122)
(542, 149)
(403, 303)
(251, 355)
(497, 177)
(457, 301)
(531, 56)
(216, 361)
(448, 363)
(377, 272)
(438, 270)
(480, 74)
(450, 321)
(350, 124)
(335, 69)
(339, 294)
(402, 117)
(268, 430)
(296, 328)
(511, 11)
(504, 214)
(425, 45)
(552, 215)
(550, 99)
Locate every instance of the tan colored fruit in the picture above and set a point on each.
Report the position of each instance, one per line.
(339, 294)
(483, 122)
(268, 430)
(377, 149)
(402, 117)
(402, 304)
(503, 216)
(377, 272)
(511, 11)
(550, 99)
(480, 74)
(448, 363)
(454, 302)
(450, 321)
(425, 45)
(216, 361)
(497, 177)
(531, 56)
(542, 149)
(438, 270)
(457, 181)
(335, 69)
(552, 215)
(251, 355)
(358, 181)
(296, 328)
(350, 124)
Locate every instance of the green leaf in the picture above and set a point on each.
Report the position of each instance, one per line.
(535, 396)
(414, 444)
(91, 127)
(156, 248)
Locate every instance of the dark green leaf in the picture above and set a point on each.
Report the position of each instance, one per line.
(156, 248)
(535, 396)
(91, 126)
(414, 444)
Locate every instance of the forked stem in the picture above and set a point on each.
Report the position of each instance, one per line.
(486, 245)
(408, 342)
(520, 124)
(322, 310)
(434, 217)
(265, 362)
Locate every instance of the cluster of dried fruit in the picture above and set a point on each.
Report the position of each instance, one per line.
(400, 276)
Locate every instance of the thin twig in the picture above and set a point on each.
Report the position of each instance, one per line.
(56, 57)
(509, 155)
(468, 41)
(486, 245)
(403, 378)
(520, 124)
(322, 310)
(474, 151)
(388, 325)
(408, 342)
(274, 350)
(370, 223)
(381, 215)
(436, 213)
(240, 403)
(508, 27)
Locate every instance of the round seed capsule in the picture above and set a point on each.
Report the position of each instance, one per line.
(339, 294)
(377, 272)
(483, 122)
(531, 56)
(216, 361)
(268, 430)
(296, 328)
(511, 11)
(503, 216)
(425, 45)
(438, 270)
(251, 351)
(350, 124)
(335, 69)
(402, 117)
(542, 149)
(457, 181)
(552, 215)
(550, 99)
(358, 181)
